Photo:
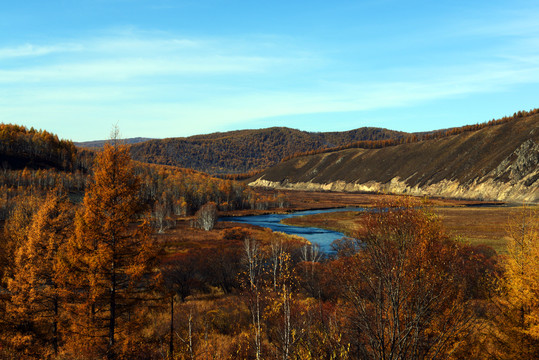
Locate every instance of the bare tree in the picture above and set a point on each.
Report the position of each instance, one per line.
(206, 216)
(276, 247)
(253, 260)
(310, 256)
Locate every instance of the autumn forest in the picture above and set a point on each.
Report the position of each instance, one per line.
(105, 257)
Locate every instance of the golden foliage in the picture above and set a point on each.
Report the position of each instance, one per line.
(111, 258)
(516, 331)
(34, 284)
(402, 286)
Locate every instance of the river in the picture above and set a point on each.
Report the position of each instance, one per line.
(322, 237)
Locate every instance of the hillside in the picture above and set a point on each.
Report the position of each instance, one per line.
(100, 143)
(35, 162)
(244, 151)
(21, 147)
(498, 162)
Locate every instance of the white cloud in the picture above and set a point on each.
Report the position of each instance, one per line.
(127, 57)
(30, 50)
(161, 81)
(123, 69)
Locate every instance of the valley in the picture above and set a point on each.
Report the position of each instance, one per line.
(91, 229)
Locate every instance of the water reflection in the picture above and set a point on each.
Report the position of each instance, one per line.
(315, 235)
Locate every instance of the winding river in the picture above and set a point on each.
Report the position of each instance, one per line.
(322, 237)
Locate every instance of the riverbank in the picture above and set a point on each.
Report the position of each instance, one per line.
(321, 200)
(474, 222)
(474, 225)
(277, 223)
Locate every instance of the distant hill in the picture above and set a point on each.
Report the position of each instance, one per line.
(21, 148)
(496, 162)
(97, 144)
(244, 151)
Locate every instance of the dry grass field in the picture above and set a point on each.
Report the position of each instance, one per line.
(473, 225)
(472, 222)
(479, 225)
(183, 237)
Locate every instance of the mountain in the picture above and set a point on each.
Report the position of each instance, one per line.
(498, 161)
(95, 144)
(244, 151)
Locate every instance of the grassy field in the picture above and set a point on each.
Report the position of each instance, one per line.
(471, 224)
(183, 237)
(479, 225)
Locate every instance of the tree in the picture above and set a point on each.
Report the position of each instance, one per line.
(402, 288)
(517, 323)
(34, 287)
(15, 233)
(254, 287)
(206, 216)
(112, 255)
(285, 324)
(310, 257)
(16, 230)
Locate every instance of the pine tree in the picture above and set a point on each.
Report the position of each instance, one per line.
(112, 255)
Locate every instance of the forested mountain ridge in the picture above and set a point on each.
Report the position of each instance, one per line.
(244, 151)
(35, 162)
(21, 147)
(495, 162)
(100, 143)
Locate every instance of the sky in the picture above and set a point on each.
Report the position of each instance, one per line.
(164, 68)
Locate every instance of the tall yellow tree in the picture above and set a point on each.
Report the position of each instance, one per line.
(16, 230)
(517, 331)
(34, 286)
(112, 254)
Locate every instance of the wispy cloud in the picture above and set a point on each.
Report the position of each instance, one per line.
(30, 50)
(202, 82)
(123, 69)
(118, 58)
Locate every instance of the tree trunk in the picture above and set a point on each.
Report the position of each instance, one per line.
(112, 321)
(171, 343)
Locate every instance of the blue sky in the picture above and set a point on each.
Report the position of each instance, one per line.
(164, 68)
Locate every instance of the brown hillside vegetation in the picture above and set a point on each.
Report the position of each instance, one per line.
(96, 144)
(35, 162)
(416, 137)
(496, 162)
(93, 280)
(246, 150)
(21, 147)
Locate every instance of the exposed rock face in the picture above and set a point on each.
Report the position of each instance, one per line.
(496, 163)
(522, 163)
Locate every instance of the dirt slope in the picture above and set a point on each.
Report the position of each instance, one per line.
(499, 162)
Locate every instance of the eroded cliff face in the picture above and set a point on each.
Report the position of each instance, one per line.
(479, 166)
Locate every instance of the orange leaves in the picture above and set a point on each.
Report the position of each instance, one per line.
(112, 259)
(517, 330)
(35, 285)
(401, 285)
(25, 146)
